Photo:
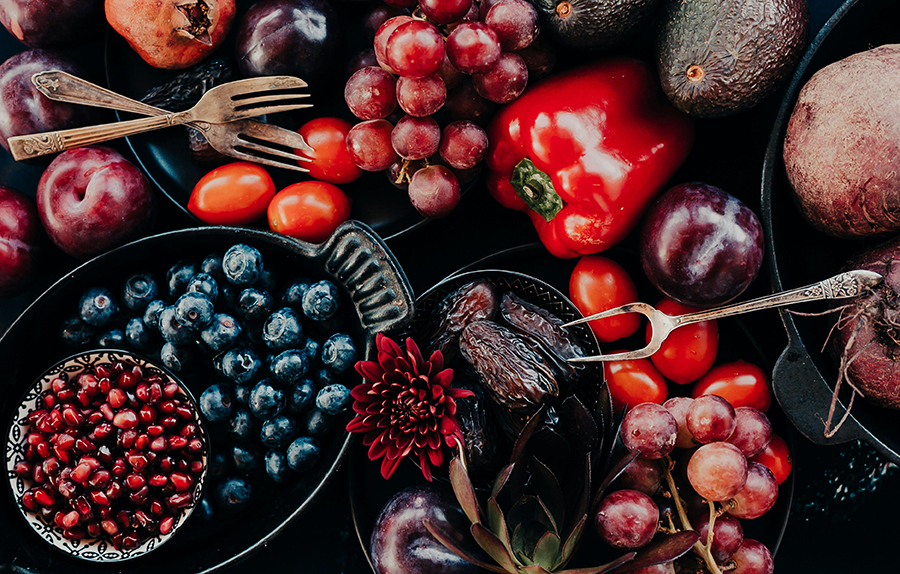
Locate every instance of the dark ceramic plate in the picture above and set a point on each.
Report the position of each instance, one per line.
(799, 255)
(369, 491)
(379, 300)
(166, 159)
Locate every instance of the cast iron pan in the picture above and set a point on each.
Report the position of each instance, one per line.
(354, 258)
(798, 254)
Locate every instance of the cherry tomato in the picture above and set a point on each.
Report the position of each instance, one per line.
(689, 352)
(776, 458)
(331, 162)
(309, 210)
(234, 194)
(739, 383)
(598, 284)
(634, 382)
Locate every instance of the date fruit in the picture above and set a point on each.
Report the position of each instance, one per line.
(20, 234)
(475, 301)
(476, 422)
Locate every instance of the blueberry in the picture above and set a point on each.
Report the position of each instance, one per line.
(242, 264)
(204, 510)
(311, 348)
(289, 366)
(278, 432)
(282, 330)
(176, 358)
(245, 459)
(325, 377)
(334, 399)
(233, 494)
(242, 427)
(228, 296)
(173, 331)
(216, 403)
(138, 334)
(111, 339)
(277, 466)
(205, 284)
(138, 291)
(194, 310)
(240, 365)
(303, 454)
(266, 401)
(178, 276)
(242, 395)
(221, 333)
(301, 396)
(152, 313)
(320, 302)
(293, 295)
(254, 305)
(266, 281)
(339, 353)
(212, 266)
(316, 423)
(76, 333)
(218, 465)
(97, 307)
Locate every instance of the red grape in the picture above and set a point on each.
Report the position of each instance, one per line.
(627, 519)
(503, 82)
(362, 60)
(515, 22)
(727, 535)
(369, 145)
(679, 406)
(464, 103)
(540, 57)
(717, 471)
(434, 191)
(463, 144)
(710, 419)
(758, 495)
(473, 47)
(752, 431)
(445, 11)
(378, 15)
(667, 568)
(753, 558)
(384, 33)
(650, 430)
(416, 138)
(451, 76)
(415, 49)
(401, 3)
(484, 7)
(371, 93)
(642, 475)
(421, 97)
(401, 171)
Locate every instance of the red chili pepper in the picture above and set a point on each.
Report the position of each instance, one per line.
(584, 153)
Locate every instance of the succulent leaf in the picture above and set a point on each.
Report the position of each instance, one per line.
(494, 547)
(545, 483)
(464, 491)
(549, 516)
(517, 478)
(580, 505)
(449, 542)
(571, 543)
(663, 548)
(502, 478)
(546, 552)
(498, 524)
(603, 569)
(522, 512)
(611, 475)
(576, 422)
(535, 569)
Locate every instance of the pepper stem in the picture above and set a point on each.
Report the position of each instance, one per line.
(536, 190)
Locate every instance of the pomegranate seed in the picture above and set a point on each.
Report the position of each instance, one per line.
(83, 398)
(167, 407)
(23, 469)
(34, 438)
(43, 497)
(93, 417)
(100, 478)
(181, 481)
(139, 497)
(71, 519)
(142, 392)
(66, 394)
(156, 507)
(197, 467)
(65, 441)
(105, 385)
(170, 390)
(147, 414)
(43, 424)
(114, 490)
(92, 529)
(135, 481)
(117, 398)
(43, 449)
(139, 374)
(104, 455)
(58, 384)
(102, 371)
(180, 500)
(90, 461)
(168, 422)
(107, 411)
(155, 392)
(138, 461)
(64, 456)
(126, 419)
(47, 513)
(124, 518)
(155, 430)
(99, 497)
(184, 465)
(73, 534)
(159, 444)
(51, 465)
(127, 438)
(89, 381)
(28, 501)
(119, 468)
(166, 524)
(196, 445)
(83, 506)
(188, 430)
(184, 412)
(81, 473)
(31, 454)
(103, 430)
(85, 445)
(167, 464)
(58, 518)
(143, 519)
(117, 540)
(72, 417)
(66, 488)
(39, 475)
(177, 442)
(49, 399)
(110, 527)
(130, 541)
(142, 442)
(126, 381)
(158, 480)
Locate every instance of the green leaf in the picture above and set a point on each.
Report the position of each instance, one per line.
(547, 488)
(464, 491)
(498, 523)
(663, 549)
(603, 569)
(611, 475)
(517, 477)
(450, 544)
(581, 502)
(535, 569)
(502, 478)
(522, 512)
(536, 189)
(495, 549)
(572, 541)
(546, 517)
(546, 553)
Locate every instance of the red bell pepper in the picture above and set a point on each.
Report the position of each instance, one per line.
(584, 152)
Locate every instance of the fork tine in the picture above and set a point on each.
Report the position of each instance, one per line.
(255, 146)
(626, 356)
(264, 83)
(627, 308)
(276, 135)
(264, 111)
(238, 154)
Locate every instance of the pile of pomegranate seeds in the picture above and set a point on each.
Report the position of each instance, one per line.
(113, 454)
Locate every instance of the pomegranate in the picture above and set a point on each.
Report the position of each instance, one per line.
(171, 34)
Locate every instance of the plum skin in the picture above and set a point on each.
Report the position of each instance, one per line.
(52, 23)
(400, 542)
(700, 245)
(20, 236)
(92, 199)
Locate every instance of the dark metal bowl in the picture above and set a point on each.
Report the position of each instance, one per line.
(354, 258)
(798, 254)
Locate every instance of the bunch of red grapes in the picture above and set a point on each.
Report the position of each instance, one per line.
(420, 63)
(716, 482)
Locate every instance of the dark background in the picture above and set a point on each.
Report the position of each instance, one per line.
(844, 503)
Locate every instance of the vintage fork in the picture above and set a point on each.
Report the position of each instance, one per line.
(841, 286)
(247, 140)
(237, 100)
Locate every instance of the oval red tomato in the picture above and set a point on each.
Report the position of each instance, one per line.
(741, 384)
(689, 352)
(233, 194)
(309, 210)
(634, 382)
(777, 458)
(598, 284)
(331, 161)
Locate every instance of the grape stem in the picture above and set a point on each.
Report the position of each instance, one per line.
(704, 550)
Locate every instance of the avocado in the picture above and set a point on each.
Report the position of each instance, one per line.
(720, 57)
(593, 24)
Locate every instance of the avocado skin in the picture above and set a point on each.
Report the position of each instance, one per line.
(594, 24)
(746, 48)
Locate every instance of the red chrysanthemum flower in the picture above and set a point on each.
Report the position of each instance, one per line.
(406, 406)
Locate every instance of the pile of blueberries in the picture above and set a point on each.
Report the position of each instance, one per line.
(274, 357)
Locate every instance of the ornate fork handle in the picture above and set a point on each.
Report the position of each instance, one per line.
(841, 286)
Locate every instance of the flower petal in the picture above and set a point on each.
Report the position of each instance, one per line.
(389, 465)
